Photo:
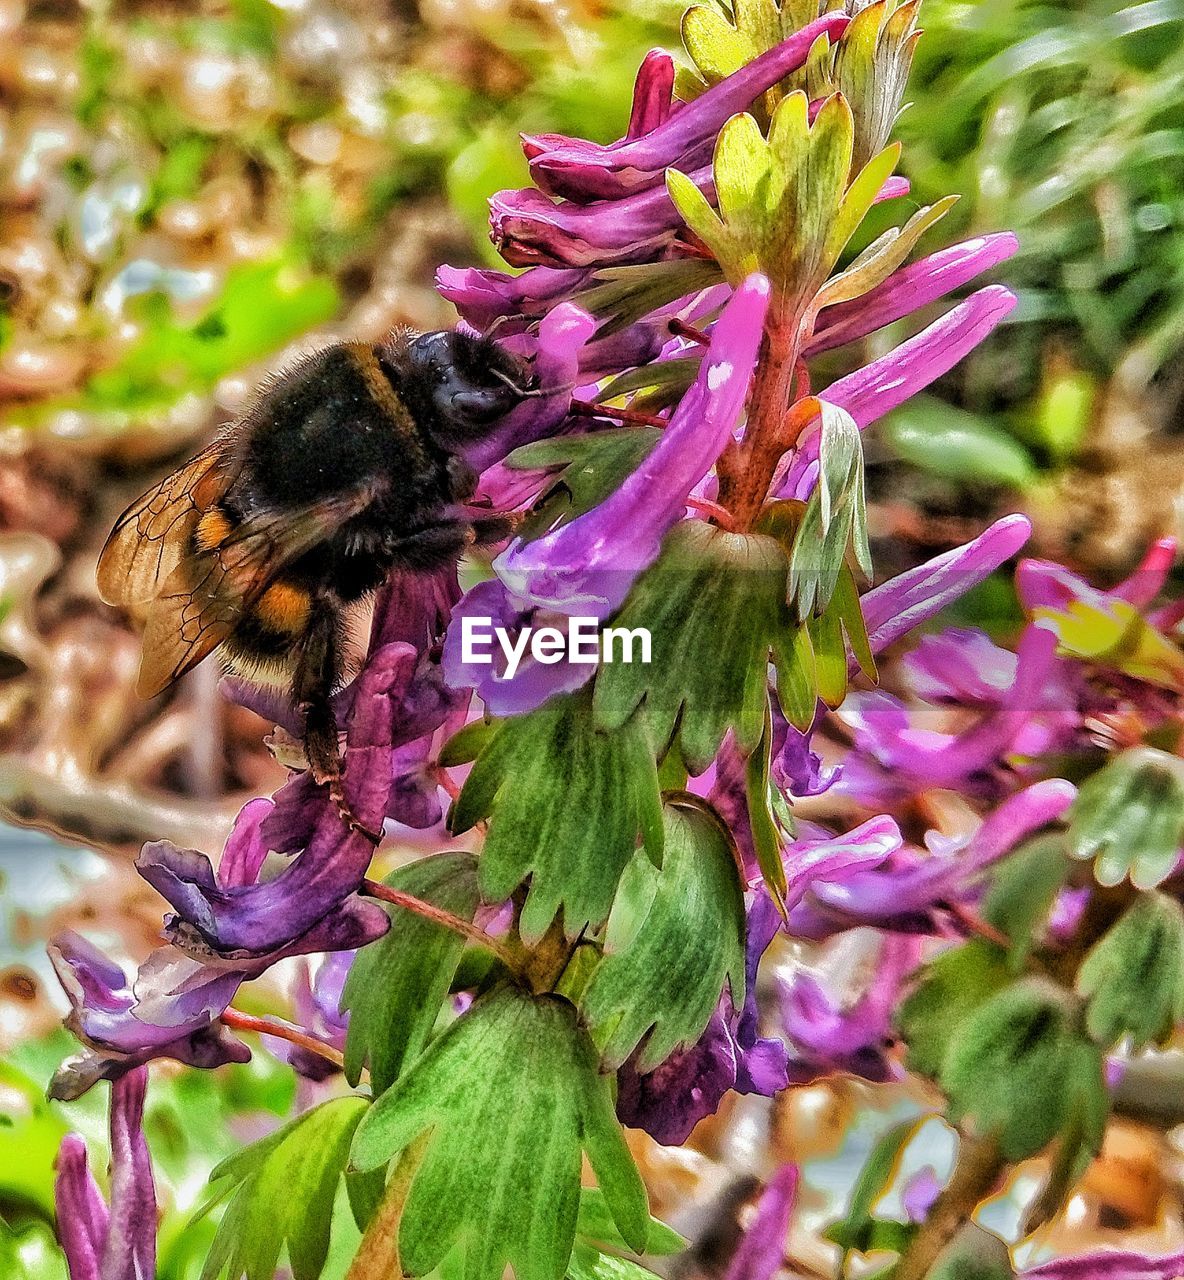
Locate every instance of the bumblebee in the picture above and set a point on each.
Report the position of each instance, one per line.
(347, 467)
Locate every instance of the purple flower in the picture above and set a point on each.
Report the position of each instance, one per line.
(581, 170)
(1109, 1264)
(258, 921)
(902, 892)
(893, 760)
(760, 1254)
(810, 862)
(894, 608)
(555, 354)
(170, 1011)
(909, 289)
(116, 1243)
(960, 666)
(528, 228)
(586, 567)
(876, 389)
(828, 1037)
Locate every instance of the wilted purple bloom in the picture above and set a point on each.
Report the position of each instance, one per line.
(170, 1011)
(797, 769)
(586, 567)
(581, 170)
(257, 921)
(730, 1055)
(828, 1037)
(761, 1251)
(116, 1242)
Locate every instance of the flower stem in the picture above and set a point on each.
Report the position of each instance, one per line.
(583, 409)
(282, 1031)
(746, 472)
(397, 898)
(979, 1165)
(377, 1257)
(681, 329)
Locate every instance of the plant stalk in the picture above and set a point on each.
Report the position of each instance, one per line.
(980, 1163)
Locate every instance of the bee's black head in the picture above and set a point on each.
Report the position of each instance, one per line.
(468, 382)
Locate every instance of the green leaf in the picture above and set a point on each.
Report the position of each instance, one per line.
(1023, 888)
(31, 1130)
(714, 605)
(30, 1253)
(952, 988)
(282, 1192)
(835, 517)
(595, 1225)
(1129, 817)
(621, 295)
(674, 937)
(538, 779)
(859, 1230)
(511, 1093)
(947, 441)
(591, 468)
(590, 1263)
(767, 837)
(1133, 976)
(397, 985)
(1018, 1065)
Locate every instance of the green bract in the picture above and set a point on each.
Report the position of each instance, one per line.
(859, 1230)
(785, 207)
(1023, 889)
(590, 467)
(953, 986)
(539, 778)
(1133, 978)
(1129, 817)
(1021, 1067)
(397, 985)
(283, 1192)
(715, 605)
(835, 516)
(511, 1094)
(675, 936)
(871, 69)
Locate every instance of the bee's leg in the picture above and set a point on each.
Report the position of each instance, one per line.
(317, 670)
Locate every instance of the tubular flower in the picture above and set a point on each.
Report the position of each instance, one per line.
(116, 1241)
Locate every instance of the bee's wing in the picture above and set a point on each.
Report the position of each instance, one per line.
(153, 534)
(207, 593)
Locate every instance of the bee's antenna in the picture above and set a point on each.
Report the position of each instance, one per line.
(530, 393)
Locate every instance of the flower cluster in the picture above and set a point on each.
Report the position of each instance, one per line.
(683, 465)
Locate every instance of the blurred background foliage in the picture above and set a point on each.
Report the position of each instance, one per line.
(192, 191)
